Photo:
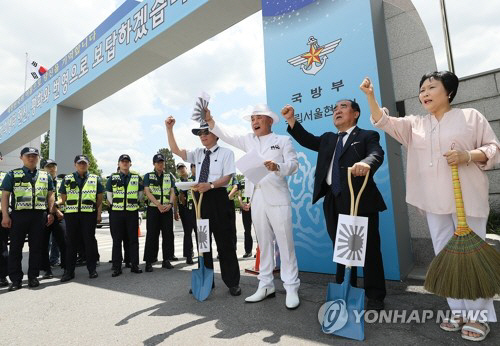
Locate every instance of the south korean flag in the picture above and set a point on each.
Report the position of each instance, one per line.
(36, 70)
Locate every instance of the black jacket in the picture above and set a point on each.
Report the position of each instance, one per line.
(361, 145)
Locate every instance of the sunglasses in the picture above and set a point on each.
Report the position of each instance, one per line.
(203, 132)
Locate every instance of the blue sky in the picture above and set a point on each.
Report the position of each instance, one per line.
(131, 121)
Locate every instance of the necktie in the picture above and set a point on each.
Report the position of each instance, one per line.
(335, 166)
(205, 167)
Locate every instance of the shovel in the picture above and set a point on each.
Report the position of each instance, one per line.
(202, 278)
(343, 300)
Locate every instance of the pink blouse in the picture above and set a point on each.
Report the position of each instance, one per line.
(428, 176)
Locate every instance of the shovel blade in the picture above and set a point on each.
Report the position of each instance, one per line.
(201, 281)
(344, 315)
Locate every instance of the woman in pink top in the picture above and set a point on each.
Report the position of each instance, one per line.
(446, 136)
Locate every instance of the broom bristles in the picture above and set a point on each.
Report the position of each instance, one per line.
(467, 268)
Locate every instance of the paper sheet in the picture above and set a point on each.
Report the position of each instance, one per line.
(252, 166)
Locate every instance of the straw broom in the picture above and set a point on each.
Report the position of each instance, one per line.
(468, 267)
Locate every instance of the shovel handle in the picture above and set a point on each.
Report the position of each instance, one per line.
(197, 204)
(354, 206)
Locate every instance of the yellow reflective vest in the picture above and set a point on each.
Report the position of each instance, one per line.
(160, 190)
(81, 200)
(125, 197)
(28, 196)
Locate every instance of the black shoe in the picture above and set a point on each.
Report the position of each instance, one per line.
(110, 261)
(67, 276)
(116, 272)
(135, 269)
(167, 264)
(235, 291)
(248, 254)
(4, 282)
(189, 260)
(149, 267)
(93, 274)
(375, 304)
(15, 285)
(33, 282)
(127, 265)
(48, 275)
(173, 259)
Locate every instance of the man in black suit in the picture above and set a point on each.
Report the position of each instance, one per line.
(361, 150)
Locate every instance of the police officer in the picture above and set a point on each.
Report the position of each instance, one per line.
(81, 192)
(159, 190)
(246, 216)
(215, 166)
(124, 191)
(232, 191)
(186, 213)
(58, 228)
(4, 251)
(31, 193)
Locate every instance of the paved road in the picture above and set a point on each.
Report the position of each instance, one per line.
(155, 308)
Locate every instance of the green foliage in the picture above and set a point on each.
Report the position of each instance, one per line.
(493, 225)
(169, 161)
(44, 147)
(87, 150)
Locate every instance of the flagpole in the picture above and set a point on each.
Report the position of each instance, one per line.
(25, 71)
(447, 39)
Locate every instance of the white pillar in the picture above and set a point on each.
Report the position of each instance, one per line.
(66, 137)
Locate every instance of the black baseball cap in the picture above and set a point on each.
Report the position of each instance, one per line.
(124, 157)
(49, 162)
(81, 158)
(179, 165)
(158, 157)
(29, 151)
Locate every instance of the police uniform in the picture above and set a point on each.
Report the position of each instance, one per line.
(246, 216)
(4, 251)
(232, 183)
(30, 192)
(188, 219)
(57, 229)
(160, 186)
(81, 206)
(215, 208)
(126, 190)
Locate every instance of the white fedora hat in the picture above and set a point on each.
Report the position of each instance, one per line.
(262, 109)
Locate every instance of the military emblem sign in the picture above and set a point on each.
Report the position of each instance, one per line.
(314, 60)
(350, 241)
(203, 235)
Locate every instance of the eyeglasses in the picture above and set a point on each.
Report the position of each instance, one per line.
(203, 132)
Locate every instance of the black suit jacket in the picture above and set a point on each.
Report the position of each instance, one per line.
(361, 145)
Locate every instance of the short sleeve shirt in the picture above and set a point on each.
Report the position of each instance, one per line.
(221, 162)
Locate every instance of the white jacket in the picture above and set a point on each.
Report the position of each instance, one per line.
(273, 147)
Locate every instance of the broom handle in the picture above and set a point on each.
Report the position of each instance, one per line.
(354, 206)
(462, 228)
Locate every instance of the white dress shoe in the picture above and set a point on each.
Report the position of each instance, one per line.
(261, 294)
(292, 300)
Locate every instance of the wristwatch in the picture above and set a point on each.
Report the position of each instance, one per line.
(212, 185)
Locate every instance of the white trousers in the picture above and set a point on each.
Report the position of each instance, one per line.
(274, 222)
(442, 227)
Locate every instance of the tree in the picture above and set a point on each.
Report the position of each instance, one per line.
(44, 147)
(87, 150)
(169, 160)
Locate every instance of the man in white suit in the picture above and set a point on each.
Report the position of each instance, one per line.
(270, 198)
